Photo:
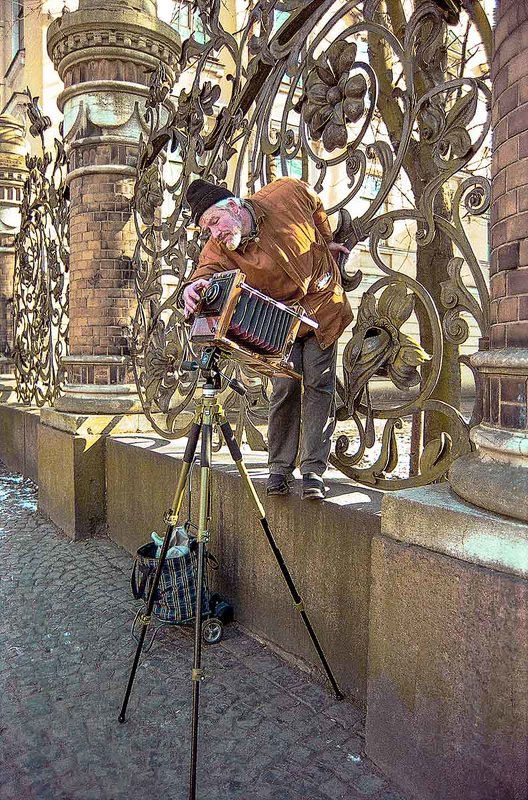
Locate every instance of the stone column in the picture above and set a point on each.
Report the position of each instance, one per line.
(495, 477)
(13, 173)
(104, 52)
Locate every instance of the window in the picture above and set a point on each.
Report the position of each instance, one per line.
(279, 18)
(371, 187)
(187, 21)
(293, 167)
(362, 49)
(18, 26)
(454, 55)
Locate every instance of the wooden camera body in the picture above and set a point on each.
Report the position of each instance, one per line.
(257, 330)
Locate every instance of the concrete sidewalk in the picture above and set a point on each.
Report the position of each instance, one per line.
(267, 731)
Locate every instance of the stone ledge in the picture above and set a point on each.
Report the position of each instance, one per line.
(433, 517)
(93, 424)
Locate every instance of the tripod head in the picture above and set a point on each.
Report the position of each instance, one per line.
(208, 366)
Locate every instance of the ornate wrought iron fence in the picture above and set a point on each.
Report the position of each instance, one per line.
(341, 92)
(41, 270)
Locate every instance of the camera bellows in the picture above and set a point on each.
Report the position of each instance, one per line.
(261, 324)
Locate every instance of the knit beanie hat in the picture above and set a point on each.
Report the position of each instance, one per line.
(201, 195)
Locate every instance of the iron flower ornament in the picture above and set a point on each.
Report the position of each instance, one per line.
(378, 346)
(333, 96)
(39, 123)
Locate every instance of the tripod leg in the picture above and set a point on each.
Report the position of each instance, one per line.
(202, 536)
(145, 618)
(236, 454)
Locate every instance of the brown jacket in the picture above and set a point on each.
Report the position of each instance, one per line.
(290, 260)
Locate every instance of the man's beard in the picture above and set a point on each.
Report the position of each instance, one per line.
(233, 240)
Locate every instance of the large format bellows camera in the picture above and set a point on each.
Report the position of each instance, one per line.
(258, 331)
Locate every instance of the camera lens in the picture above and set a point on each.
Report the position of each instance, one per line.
(211, 293)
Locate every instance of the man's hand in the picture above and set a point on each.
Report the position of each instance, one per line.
(336, 249)
(192, 295)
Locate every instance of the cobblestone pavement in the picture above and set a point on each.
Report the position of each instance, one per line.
(266, 731)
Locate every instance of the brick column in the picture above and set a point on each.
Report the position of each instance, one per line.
(496, 476)
(104, 53)
(13, 173)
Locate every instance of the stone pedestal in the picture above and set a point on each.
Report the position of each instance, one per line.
(18, 438)
(71, 467)
(447, 706)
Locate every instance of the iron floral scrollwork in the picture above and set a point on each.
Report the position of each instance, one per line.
(160, 86)
(41, 271)
(379, 347)
(162, 382)
(149, 194)
(302, 96)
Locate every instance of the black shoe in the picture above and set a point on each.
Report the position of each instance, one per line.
(313, 487)
(277, 484)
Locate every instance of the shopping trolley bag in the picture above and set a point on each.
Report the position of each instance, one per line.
(175, 599)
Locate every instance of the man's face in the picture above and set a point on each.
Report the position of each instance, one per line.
(223, 224)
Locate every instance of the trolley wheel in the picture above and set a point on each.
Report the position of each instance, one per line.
(212, 630)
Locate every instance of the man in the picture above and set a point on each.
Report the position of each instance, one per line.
(281, 239)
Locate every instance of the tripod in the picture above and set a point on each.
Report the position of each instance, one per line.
(208, 413)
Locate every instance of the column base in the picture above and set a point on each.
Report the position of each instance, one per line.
(98, 399)
(98, 385)
(7, 381)
(495, 477)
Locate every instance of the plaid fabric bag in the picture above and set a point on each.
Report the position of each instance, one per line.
(175, 599)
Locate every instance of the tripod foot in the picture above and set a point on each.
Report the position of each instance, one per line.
(121, 718)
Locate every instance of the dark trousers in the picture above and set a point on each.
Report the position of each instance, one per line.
(312, 402)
